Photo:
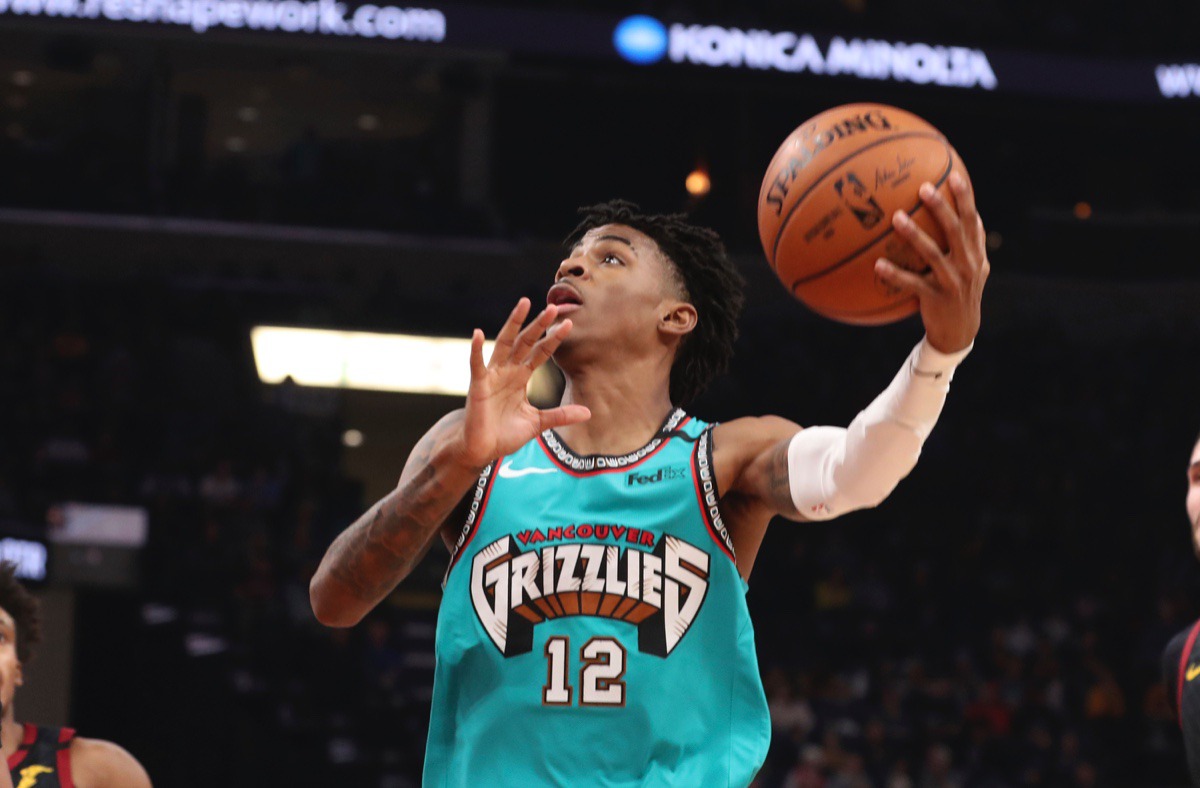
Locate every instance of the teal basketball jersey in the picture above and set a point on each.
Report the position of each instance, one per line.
(593, 629)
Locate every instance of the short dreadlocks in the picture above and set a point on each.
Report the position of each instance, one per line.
(709, 282)
(24, 609)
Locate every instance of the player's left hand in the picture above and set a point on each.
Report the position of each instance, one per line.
(951, 291)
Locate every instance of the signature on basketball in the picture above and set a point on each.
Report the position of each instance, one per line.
(894, 176)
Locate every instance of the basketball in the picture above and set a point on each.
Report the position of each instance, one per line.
(826, 204)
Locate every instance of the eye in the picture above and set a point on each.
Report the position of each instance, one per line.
(612, 258)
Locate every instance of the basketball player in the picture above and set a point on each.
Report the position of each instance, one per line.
(5, 776)
(593, 628)
(1181, 660)
(48, 757)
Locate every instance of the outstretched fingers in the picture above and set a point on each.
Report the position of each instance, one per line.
(510, 330)
(552, 418)
(904, 281)
(541, 351)
(533, 333)
(944, 212)
(968, 212)
(478, 368)
(922, 242)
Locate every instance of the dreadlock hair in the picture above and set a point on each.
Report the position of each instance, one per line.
(705, 275)
(24, 609)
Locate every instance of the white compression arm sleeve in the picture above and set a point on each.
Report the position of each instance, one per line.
(832, 470)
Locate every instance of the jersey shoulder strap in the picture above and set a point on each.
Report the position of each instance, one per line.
(1175, 667)
(43, 751)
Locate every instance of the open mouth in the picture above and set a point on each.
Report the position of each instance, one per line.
(565, 297)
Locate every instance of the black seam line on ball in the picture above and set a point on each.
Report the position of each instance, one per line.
(819, 179)
(891, 229)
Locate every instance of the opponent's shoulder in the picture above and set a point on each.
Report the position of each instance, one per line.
(1173, 653)
(1176, 644)
(96, 763)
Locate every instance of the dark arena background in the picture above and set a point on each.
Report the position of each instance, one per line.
(175, 174)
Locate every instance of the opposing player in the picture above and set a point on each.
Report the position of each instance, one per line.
(594, 628)
(1181, 660)
(48, 757)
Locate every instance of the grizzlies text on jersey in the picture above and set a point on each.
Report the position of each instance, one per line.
(593, 628)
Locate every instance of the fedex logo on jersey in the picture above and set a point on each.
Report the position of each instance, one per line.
(659, 591)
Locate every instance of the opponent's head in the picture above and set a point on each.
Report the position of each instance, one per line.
(1193, 495)
(676, 280)
(20, 631)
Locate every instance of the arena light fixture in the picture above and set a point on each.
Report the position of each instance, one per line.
(363, 360)
(697, 183)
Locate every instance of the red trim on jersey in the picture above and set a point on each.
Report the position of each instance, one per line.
(28, 737)
(1183, 661)
(487, 494)
(708, 523)
(612, 469)
(64, 759)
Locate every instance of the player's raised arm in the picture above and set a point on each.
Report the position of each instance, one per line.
(822, 472)
(374, 554)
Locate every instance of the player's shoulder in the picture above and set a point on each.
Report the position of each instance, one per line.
(449, 420)
(739, 444)
(1177, 643)
(1173, 658)
(1175, 646)
(752, 434)
(96, 763)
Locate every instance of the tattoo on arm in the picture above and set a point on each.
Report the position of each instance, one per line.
(779, 481)
(375, 553)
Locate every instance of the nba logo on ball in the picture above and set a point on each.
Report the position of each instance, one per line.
(640, 39)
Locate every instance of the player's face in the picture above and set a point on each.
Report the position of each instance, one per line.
(1193, 496)
(10, 666)
(615, 286)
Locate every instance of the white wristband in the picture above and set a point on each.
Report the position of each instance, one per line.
(832, 470)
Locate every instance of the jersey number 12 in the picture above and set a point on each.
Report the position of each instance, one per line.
(599, 678)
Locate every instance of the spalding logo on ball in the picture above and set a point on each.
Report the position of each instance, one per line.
(826, 204)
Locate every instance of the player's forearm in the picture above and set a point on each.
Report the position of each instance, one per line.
(833, 471)
(379, 550)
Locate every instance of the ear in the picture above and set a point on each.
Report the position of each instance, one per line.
(20, 677)
(677, 318)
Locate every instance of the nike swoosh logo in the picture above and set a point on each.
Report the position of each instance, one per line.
(508, 472)
(1193, 671)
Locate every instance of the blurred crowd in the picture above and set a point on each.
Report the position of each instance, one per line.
(998, 622)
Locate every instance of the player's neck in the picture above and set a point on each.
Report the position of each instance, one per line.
(11, 735)
(626, 412)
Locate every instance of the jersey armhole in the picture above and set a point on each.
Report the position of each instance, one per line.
(65, 777)
(707, 494)
(478, 504)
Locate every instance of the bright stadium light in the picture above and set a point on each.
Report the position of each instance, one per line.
(362, 360)
(698, 183)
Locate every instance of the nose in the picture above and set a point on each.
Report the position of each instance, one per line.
(572, 266)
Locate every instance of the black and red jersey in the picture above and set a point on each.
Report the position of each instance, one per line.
(44, 758)
(1181, 673)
